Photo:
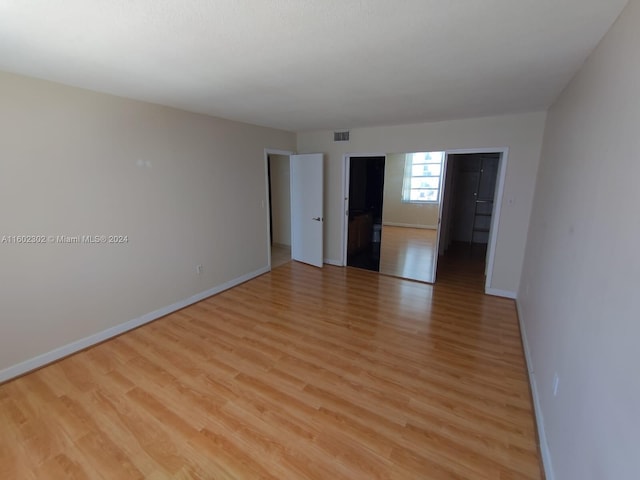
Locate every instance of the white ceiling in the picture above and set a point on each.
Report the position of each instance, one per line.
(311, 64)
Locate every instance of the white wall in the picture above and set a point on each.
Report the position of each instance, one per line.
(281, 199)
(521, 133)
(397, 212)
(578, 298)
(185, 188)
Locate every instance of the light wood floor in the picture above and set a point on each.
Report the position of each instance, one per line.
(301, 373)
(280, 254)
(408, 252)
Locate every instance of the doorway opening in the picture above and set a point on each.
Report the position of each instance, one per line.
(279, 207)
(471, 200)
(403, 235)
(479, 246)
(364, 211)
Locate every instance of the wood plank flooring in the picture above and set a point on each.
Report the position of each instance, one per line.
(301, 373)
(408, 252)
(280, 254)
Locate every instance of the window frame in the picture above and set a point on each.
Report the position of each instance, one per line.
(408, 177)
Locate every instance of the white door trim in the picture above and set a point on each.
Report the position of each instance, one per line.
(267, 152)
(495, 216)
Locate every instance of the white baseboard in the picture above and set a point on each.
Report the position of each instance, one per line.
(329, 261)
(500, 293)
(537, 409)
(410, 225)
(66, 350)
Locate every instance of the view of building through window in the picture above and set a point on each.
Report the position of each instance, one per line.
(422, 177)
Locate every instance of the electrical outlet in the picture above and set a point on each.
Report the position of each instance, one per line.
(556, 384)
(199, 269)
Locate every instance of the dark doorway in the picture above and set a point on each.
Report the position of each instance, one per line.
(366, 190)
(468, 208)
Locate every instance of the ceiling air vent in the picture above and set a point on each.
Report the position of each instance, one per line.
(341, 136)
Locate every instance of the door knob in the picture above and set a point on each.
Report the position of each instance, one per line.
(317, 219)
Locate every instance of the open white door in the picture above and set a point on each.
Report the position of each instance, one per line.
(307, 216)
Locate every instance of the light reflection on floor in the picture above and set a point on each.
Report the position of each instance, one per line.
(408, 252)
(280, 254)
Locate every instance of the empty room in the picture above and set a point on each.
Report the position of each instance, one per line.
(319, 239)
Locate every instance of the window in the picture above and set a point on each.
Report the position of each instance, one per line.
(422, 177)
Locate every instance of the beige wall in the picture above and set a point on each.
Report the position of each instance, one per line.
(579, 298)
(281, 199)
(185, 188)
(521, 133)
(397, 212)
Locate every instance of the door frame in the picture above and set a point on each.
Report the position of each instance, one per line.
(495, 215)
(267, 152)
(345, 195)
